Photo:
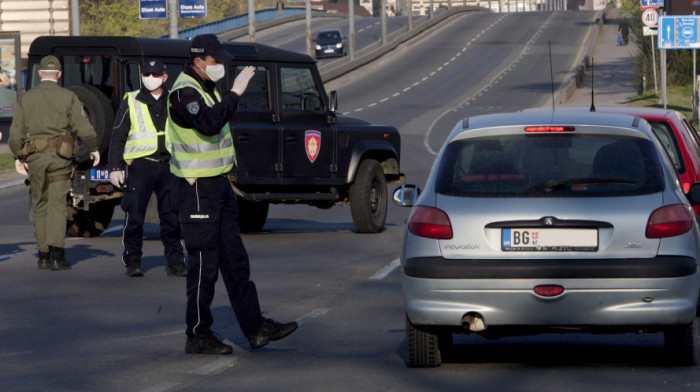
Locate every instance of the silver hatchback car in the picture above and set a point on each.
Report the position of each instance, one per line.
(550, 222)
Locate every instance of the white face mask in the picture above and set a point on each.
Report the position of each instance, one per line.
(215, 72)
(151, 82)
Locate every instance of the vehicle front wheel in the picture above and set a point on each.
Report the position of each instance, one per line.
(681, 344)
(423, 348)
(90, 223)
(252, 215)
(368, 199)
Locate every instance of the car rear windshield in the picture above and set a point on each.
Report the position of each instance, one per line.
(550, 166)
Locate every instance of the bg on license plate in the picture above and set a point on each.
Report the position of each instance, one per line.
(550, 240)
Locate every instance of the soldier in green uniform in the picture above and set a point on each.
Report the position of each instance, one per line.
(41, 142)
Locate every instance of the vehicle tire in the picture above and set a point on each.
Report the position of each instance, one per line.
(90, 223)
(101, 115)
(368, 199)
(682, 344)
(422, 347)
(252, 215)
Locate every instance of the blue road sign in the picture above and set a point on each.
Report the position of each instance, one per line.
(679, 32)
(652, 3)
(153, 9)
(193, 8)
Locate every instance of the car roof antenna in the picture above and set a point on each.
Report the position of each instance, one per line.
(592, 98)
(551, 72)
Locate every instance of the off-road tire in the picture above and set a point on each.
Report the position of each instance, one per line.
(422, 347)
(368, 198)
(101, 115)
(682, 344)
(252, 215)
(90, 223)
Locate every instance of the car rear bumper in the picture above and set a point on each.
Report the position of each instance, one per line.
(644, 295)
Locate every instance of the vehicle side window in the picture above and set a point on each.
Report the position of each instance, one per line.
(133, 77)
(299, 91)
(257, 94)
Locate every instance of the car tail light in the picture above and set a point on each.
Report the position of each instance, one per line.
(550, 128)
(669, 221)
(430, 222)
(549, 290)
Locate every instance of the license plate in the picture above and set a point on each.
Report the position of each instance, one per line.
(100, 174)
(549, 240)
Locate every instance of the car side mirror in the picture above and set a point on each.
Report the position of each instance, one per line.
(694, 193)
(406, 195)
(333, 104)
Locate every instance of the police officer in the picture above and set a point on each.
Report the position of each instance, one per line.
(140, 146)
(202, 156)
(42, 144)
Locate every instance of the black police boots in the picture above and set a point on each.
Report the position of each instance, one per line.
(270, 330)
(59, 261)
(206, 344)
(133, 266)
(44, 260)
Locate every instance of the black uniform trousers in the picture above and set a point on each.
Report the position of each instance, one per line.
(143, 178)
(209, 216)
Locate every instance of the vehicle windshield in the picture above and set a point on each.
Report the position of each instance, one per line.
(549, 166)
(328, 35)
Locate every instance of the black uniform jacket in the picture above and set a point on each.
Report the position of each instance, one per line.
(189, 110)
(157, 108)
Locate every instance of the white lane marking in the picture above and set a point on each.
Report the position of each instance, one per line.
(115, 228)
(313, 314)
(386, 270)
(215, 366)
(162, 387)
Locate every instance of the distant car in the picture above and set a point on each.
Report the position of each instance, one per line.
(676, 133)
(550, 222)
(329, 43)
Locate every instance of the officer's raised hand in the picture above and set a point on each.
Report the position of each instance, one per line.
(95, 156)
(21, 167)
(241, 81)
(116, 178)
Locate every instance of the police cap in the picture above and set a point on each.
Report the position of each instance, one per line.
(209, 45)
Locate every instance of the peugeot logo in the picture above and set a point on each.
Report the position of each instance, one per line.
(548, 221)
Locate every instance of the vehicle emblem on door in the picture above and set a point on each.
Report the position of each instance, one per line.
(312, 143)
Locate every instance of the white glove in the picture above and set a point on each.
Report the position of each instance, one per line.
(21, 167)
(241, 81)
(116, 178)
(95, 156)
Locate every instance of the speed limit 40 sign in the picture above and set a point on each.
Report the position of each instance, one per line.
(650, 17)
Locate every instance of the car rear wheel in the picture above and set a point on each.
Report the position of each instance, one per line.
(423, 347)
(252, 215)
(368, 199)
(681, 344)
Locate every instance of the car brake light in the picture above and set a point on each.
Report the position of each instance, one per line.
(669, 221)
(549, 290)
(550, 128)
(430, 222)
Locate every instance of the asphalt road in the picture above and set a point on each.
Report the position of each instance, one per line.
(93, 329)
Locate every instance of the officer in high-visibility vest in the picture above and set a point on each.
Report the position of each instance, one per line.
(140, 148)
(202, 156)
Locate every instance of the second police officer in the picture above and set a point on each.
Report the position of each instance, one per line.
(202, 156)
(140, 146)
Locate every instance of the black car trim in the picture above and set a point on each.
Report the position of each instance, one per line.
(657, 267)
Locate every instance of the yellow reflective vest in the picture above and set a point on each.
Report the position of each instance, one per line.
(143, 135)
(195, 155)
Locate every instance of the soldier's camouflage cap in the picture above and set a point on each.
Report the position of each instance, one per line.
(49, 63)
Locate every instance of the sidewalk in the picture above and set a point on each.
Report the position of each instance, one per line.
(612, 68)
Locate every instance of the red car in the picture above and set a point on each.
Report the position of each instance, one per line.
(674, 131)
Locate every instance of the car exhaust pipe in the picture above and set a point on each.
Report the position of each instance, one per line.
(474, 322)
